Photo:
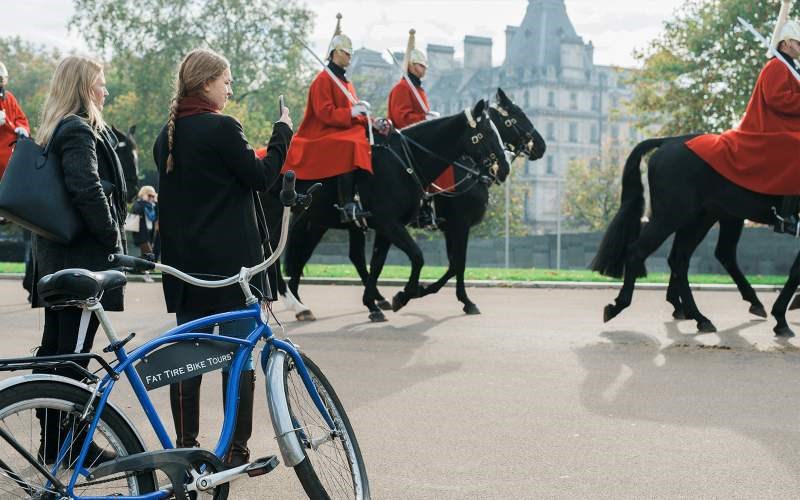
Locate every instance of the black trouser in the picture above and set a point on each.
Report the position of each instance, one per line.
(62, 335)
(346, 185)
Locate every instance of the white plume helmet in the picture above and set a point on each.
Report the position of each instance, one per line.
(3, 70)
(784, 30)
(340, 41)
(412, 55)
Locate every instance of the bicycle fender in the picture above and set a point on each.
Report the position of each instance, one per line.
(291, 451)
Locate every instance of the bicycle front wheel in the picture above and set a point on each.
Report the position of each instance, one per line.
(333, 467)
(40, 416)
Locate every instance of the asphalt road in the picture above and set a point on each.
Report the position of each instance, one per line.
(535, 398)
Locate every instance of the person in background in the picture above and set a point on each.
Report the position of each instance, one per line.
(146, 208)
(13, 121)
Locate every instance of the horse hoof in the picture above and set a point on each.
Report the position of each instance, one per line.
(377, 316)
(306, 315)
(795, 303)
(399, 301)
(679, 314)
(608, 313)
(706, 326)
(783, 331)
(758, 311)
(384, 305)
(471, 309)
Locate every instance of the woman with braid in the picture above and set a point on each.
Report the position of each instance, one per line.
(210, 220)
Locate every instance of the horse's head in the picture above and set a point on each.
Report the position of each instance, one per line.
(128, 154)
(482, 142)
(518, 133)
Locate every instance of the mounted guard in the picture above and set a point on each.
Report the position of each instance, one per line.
(332, 139)
(408, 104)
(761, 153)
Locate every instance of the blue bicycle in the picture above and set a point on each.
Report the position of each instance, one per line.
(60, 438)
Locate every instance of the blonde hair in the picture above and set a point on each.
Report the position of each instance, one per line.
(71, 93)
(199, 67)
(146, 190)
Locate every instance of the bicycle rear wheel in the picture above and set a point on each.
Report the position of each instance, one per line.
(333, 467)
(40, 415)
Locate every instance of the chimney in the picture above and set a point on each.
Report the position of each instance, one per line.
(510, 32)
(477, 52)
(441, 57)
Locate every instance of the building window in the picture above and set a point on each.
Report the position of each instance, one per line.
(551, 131)
(526, 99)
(551, 99)
(550, 165)
(573, 132)
(614, 101)
(573, 101)
(593, 136)
(595, 102)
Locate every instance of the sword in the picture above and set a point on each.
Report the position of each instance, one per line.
(408, 81)
(759, 37)
(341, 86)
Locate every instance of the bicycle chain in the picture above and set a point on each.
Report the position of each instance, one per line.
(108, 480)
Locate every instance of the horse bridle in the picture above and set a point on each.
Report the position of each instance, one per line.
(525, 143)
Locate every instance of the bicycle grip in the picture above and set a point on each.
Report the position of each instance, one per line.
(288, 194)
(130, 262)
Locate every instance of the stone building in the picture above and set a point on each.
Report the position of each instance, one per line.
(577, 105)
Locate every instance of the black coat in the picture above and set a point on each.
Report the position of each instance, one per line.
(143, 235)
(95, 180)
(209, 220)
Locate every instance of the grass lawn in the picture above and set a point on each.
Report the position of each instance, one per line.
(487, 273)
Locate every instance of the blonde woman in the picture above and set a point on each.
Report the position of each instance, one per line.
(95, 180)
(209, 219)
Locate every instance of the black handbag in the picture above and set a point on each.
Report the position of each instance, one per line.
(34, 196)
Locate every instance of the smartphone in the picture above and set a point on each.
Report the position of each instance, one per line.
(281, 105)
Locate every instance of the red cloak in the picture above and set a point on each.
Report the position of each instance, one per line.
(329, 142)
(763, 153)
(14, 118)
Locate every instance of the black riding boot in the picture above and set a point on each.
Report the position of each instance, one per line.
(184, 399)
(788, 213)
(238, 453)
(350, 210)
(54, 426)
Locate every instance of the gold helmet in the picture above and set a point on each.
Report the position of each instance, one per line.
(340, 41)
(413, 56)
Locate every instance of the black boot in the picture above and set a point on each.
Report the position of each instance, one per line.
(351, 211)
(54, 427)
(184, 399)
(238, 453)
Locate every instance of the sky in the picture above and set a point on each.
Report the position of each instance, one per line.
(616, 27)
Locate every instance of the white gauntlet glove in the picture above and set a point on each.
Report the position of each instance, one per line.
(432, 115)
(21, 131)
(2, 117)
(359, 108)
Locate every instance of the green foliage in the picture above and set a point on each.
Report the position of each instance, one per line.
(494, 222)
(30, 68)
(699, 73)
(591, 192)
(147, 39)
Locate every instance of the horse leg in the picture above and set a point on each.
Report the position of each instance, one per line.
(458, 260)
(730, 230)
(302, 242)
(673, 296)
(357, 256)
(450, 272)
(397, 234)
(687, 238)
(652, 236)
(379, 251)
(779, 307)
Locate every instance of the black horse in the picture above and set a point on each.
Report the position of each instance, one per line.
(687, 197)
(468, 206)
(404, 165)
(128, 153)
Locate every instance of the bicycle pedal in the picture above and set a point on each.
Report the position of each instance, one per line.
(262, 466)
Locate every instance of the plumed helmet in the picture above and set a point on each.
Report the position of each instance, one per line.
(784, 30)
(3, 70)
(340, 41)
(412, 55)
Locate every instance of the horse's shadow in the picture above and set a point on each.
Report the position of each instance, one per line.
(732, 385)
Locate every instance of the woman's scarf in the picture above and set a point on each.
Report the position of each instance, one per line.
(194, 105)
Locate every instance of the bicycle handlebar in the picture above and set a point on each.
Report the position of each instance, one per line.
(137, 264)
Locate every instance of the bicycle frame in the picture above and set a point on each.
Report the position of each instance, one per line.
(185, 333)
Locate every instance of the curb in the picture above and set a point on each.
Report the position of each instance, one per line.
(551, 285)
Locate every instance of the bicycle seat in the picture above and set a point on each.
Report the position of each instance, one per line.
(69, 286)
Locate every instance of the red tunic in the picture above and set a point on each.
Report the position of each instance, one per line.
(329, 142)
(762, 153)
(404, 110)
(14, 118)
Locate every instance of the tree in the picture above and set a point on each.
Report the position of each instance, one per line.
(30, 68)
(494, 222)
(591, 193)
(699, 73)
(147, 39)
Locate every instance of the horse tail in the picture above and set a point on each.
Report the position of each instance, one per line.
(626, 225)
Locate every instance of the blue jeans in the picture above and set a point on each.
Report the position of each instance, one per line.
(239, 328)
